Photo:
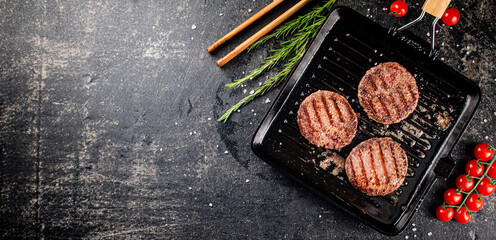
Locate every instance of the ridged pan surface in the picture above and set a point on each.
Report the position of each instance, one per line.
(346, 47)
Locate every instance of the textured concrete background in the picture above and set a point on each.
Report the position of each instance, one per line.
(107, 124)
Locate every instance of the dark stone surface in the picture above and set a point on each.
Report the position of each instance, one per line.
(107, 124)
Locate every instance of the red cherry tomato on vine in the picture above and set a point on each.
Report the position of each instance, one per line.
(474, 202)
(451, 16)
(492, 170)
(451, 197)
(485, 187)
(483, 152)
(462, 216)
(474, 169)
(398, 8)
(444, 213)
(464, 182)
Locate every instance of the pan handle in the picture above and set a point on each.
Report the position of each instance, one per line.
(436, 8)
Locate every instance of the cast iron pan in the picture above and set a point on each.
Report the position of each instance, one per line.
(345, 48)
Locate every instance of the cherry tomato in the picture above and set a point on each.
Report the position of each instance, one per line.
(464, 182)
(485, 187)
(474, 202)
(451, 16)
(492, 170)
(474, 169)
(462, 216)
(483, 152)
(451, 197)
(398, 8)
(444, 213)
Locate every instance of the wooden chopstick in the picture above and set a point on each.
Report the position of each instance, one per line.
(243, 25)
(240, 48)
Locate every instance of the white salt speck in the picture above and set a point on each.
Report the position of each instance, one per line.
(250, 123)
(414, 229)
(192, 38)
(193, 26)
(190, 133)
(210, 204)
(238, 110)
(267, 100)
(175, 123)
(209, 119)
(368, 9)
(226, 152)
(428, 34)
(243, 72)
(220, 14)
(468, 47)
(384, 9)
(485, 120)
(442, 59)
(216, 145)
(407, 237)
(487, 137)
(320, 216)
(194, 132)
(247, 180)
(254, 114)
(153, 27)
(250, 10)
(429, 234)
(260, 84)
(414, 235)
(252, 91)
(253, 110)
(161, 149)
(244, 91)
(413, 224)
(189, 188)
(457, 45)
(494, 112)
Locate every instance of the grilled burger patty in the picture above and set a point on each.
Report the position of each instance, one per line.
(326, 119)
(377, 166)
(388, 93)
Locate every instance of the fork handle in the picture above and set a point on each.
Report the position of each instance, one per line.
(436, 8)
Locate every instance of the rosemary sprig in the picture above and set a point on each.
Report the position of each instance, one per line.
(306, 27)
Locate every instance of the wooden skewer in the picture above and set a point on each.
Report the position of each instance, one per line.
(262, 32)
(243, 25)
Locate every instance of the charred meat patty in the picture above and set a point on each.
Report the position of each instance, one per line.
(326, 119)
(377, 166)
(388, 93)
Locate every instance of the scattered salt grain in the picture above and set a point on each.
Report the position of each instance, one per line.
(414, 229)
(175, 123)
(220, 14)
(254, 114)
(238, 110)
(267, 100)
(190, 133)
(485, 120)
(253, 110)
(189, 188)
(320, 216)
(210, 204)
(247, 180)
(209, 119)
(407, 237)
(252, 91)
(244, 91)
(429, 234)
(226, 152)
(487, 137)
(193, 26)
(161, 149)
(250, 10)
(413, 224)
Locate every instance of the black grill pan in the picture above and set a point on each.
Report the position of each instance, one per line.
(345, 48)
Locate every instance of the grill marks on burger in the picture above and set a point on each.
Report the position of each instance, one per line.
(377, 166)
(388, 93)
(326, 119)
